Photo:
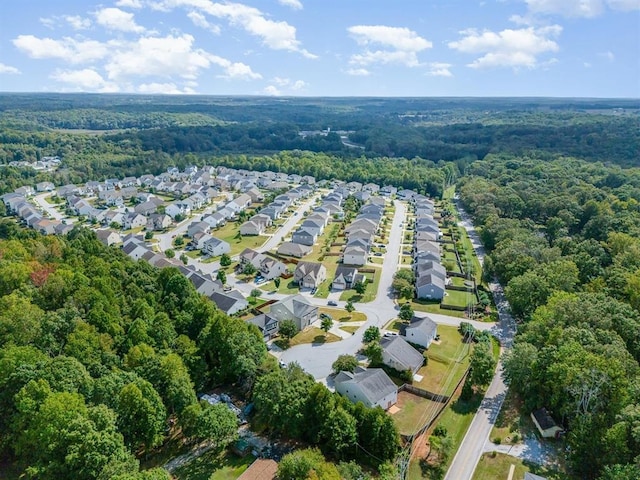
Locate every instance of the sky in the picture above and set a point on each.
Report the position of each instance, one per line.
(559, 48)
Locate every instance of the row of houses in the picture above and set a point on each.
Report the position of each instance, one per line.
(18, 205)
(360, 234)
(430, 275)
(229, 301)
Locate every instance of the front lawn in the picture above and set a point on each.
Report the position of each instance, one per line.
(313, 335)
(340, 315)
(370, 292)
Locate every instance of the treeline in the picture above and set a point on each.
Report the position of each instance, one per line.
(564, 237)
(97, 352)
(101, 359)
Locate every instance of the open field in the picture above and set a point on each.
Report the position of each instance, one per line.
(214, 466)
(229, 233)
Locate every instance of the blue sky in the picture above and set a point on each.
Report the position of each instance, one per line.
(568, 48)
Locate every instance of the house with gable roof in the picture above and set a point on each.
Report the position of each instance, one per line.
(371, 386)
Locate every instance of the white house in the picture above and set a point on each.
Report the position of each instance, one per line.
(371, 386)
(215, 247)
(421, 331)
(354, 255)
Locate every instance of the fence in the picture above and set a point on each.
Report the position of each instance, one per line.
(429, 424)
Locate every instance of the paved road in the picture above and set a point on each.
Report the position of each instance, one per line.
(317, 359)
(473, 445)
(48, 208)
(284, 230)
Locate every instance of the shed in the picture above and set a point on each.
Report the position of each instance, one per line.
(545, 424)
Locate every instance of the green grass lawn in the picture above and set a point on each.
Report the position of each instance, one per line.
(341, 315)
(414, 411)
(458, 298)
(228, 234)
(496, 466)
(350, 328)
(370, 292)
(214, 466)
(447, 361)
(394, 325)
(287, 286)
(313, 335)
(434, 307)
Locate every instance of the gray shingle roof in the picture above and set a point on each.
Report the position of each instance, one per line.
(402, 352)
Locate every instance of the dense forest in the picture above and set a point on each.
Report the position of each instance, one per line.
(101, 358)
(564, 237)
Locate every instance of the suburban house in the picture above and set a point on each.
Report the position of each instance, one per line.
(533, 476)
(229, 302)
(133, 220)
(313, 225)
(195, 227)
(214, 220)
(268, 267)
(345, 278)
(158, 221)
(430, 286)
(371, 386)
(267, 325)
(256, 225)
(296, 308)
(545, 424)
(304, 237)
(214, 247)
(354, 255)
(421, 331)
(291, 249)
(108, 237)
(45, 187)
(398, 354)
(309, 274)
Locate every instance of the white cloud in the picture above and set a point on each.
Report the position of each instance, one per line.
(67, 49)
(398, 38)
(162, 88)
(77, 22)
(439, 69)
(8, 69)
(85, 80)
(400, 45)
(199, 20)
(580, 8)
(358, 72)
(129, 3)
(288, 83)
(298, 85)
(116, 19)
(272, 91)
(275, 35)
(158, 56)
(170, 56)
(295, 4)
(508, 48)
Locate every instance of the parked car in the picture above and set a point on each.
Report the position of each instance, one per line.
(314, 290)
(390, 334)
(332, 303)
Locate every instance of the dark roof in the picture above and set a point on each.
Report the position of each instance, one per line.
(544, 419)
(223, 301)
(374, 382)
(402, 352)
